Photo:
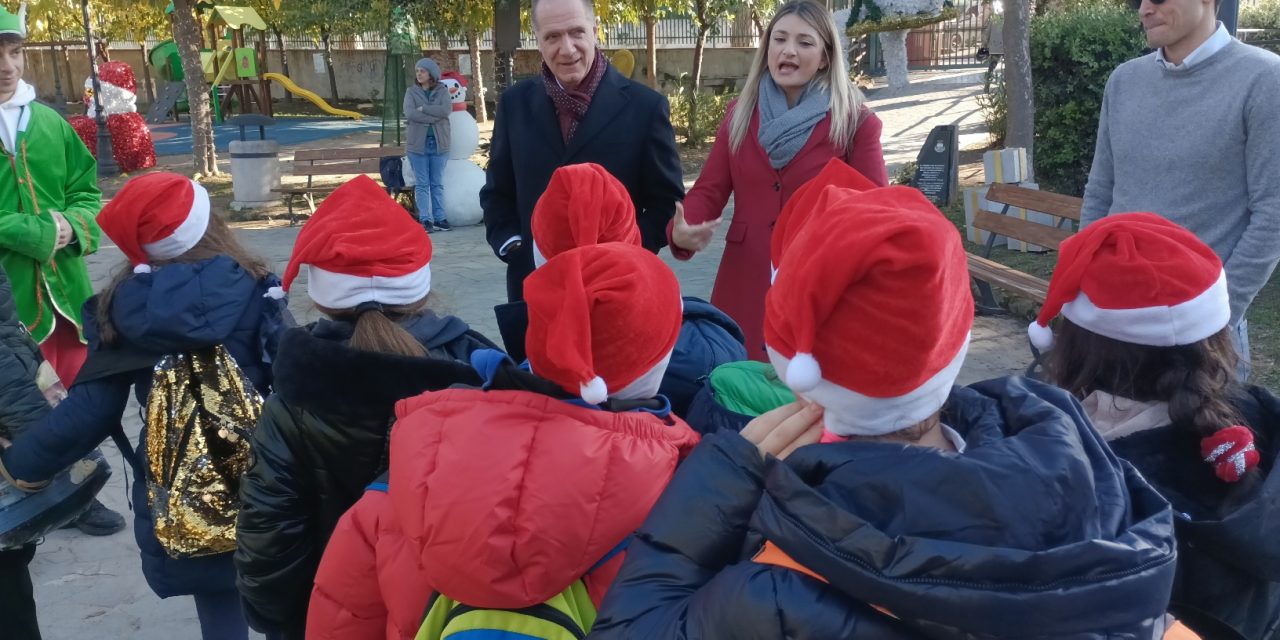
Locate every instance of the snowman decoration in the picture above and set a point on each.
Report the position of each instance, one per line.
(130, 137)
(462, 177)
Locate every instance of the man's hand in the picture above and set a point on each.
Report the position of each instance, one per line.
(785, 429)
(692, 237)
(65, 233)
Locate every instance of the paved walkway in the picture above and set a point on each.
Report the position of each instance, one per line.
(87, 583)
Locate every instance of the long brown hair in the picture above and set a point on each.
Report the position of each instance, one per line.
(378, 330)
(1197, 380)
(218, 240)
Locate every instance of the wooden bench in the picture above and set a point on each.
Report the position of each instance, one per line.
(987, 272)
(331, 162)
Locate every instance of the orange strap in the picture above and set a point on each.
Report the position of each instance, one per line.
(770, 554)
(1180, 631)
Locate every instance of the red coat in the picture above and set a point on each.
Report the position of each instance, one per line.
(499, 499)
(759, 192)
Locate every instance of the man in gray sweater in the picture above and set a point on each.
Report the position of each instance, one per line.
(1192, 132)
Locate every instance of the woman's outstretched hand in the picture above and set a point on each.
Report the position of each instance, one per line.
(692, 237)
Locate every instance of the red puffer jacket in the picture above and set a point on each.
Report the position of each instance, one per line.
(498, 499)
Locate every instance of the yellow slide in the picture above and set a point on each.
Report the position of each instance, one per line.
(315, 99)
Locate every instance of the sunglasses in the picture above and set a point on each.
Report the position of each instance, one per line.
(1136, 4)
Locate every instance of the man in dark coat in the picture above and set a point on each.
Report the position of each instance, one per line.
(579, 110)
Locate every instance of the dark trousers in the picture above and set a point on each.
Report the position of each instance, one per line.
(221, 617)
(17, 599)
(519, 266)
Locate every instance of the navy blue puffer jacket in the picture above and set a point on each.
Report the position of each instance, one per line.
(1037, 531)
(179, 307)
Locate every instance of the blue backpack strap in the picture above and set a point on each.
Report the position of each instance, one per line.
(622, 546)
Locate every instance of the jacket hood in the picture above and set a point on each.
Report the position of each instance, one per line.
(1037, 517)
(316, 370)
(509, 496)
(187, 305)
(431, 330)
(23, 96)
(696, 309)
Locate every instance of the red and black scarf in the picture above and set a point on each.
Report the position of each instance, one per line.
(571, 106)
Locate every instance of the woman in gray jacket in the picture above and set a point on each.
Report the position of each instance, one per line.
(427, 107)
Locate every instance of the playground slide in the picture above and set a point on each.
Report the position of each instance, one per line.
(315, 99)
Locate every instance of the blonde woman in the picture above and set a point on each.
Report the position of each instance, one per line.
(797, 111)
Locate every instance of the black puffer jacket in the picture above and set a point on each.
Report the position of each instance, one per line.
(1037, 531)
(321, 439)
(21, 402)
(1228, 581)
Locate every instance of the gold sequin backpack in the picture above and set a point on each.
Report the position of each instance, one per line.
(201, 416)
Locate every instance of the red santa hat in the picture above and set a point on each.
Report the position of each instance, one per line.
(871, 311)
(360, 246)
(1136, 278)
(583, 205)
(159, 216)
(118, 74)
(808, 200)
(601, 317)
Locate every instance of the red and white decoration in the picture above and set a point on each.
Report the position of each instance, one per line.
(871, 311)
(601, 319)
(360, 247)
(159, 216)
(462, 177)
(1136, 278)
(131, 142)
(583, 204)
(1231, 452)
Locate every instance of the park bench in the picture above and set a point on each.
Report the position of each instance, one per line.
(987, 272)
(310, 163)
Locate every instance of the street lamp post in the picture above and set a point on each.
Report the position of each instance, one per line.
(106, 156)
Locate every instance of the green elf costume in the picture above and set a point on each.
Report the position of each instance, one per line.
(46, 169)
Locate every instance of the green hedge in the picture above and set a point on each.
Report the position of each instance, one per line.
(1072, 54)
(1265, 14)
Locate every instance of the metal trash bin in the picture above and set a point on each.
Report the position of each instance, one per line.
(255, 165)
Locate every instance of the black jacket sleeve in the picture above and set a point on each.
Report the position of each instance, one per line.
(662, 182)
(685, 579)
(696, 529)
(275, 555)
(498, 196)
(21, 402)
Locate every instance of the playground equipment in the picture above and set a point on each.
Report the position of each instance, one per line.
(230, 65)
(311, 96)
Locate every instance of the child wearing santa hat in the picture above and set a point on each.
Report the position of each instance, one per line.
(1143, 342)
(189, 284)
(526, 488)
(736, 391)
(991, 511)
(585, 205)
(323, 434)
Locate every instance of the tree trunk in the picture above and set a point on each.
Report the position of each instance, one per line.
(186, 34)
(328, 63)
(893, 44)
(1020, 128)
(699, 45)
(146, 74)
(477, 75)
(284, 60)
(651, 48)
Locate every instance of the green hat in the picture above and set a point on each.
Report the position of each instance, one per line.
(14, 24)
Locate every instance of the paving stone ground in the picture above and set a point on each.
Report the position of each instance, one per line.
(95, 585)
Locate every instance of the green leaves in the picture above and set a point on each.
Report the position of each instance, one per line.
(1073, 52)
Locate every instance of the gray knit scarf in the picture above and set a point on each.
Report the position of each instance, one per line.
(784, 130)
